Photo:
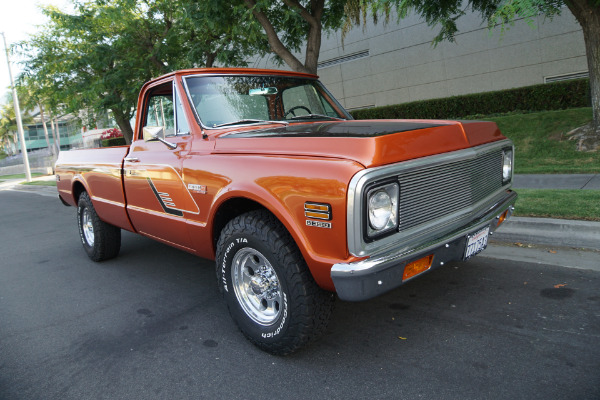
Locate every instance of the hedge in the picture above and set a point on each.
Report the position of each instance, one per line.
(118, 141)
(544, 97)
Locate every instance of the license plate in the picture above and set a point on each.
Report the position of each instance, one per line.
(476, 242)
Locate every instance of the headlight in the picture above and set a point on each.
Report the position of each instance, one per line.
(507, 165)
(382, 209)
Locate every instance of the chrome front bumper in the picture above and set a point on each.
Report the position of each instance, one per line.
(365, 279)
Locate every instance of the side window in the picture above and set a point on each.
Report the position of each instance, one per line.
(328, 108)
(182, 127)
(160, 111)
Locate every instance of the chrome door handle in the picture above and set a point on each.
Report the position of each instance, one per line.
(132, 159)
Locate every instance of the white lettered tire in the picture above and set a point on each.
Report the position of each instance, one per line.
(267, 286)
(101, 241)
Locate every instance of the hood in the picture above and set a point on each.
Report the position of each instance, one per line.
(369, 142)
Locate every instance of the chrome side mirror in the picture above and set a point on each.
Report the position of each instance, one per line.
(152, 133)
(157, 133)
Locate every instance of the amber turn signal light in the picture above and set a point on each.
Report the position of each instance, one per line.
(502, 218)
(317, 210)
(416, 267)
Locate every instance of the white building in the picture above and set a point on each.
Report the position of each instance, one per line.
(396, 63)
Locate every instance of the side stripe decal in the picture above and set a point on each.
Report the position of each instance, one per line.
(162, 200)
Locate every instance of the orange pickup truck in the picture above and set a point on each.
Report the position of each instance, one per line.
(264, 172)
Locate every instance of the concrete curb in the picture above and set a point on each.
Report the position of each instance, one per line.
(552, 255)
(547, 231)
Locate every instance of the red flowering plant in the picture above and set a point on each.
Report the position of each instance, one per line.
(111, 134)
(112, 137)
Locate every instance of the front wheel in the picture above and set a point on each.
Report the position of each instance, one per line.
(101, 241)
(268, 288)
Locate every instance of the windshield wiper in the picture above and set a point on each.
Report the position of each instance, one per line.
(250, 121)
(311, 116)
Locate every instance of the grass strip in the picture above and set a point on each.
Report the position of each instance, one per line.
(541, 144)
(40, 183)
(562, 204)
(19, 176)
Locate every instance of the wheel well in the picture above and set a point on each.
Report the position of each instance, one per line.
(78, 188)
(228, 211)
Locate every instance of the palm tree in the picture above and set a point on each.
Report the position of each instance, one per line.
(8, 125)
(30, 94)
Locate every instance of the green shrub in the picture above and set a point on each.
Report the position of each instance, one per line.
(548, 96)
(118, 141)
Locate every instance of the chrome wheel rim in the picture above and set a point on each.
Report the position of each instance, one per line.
(256, 286)
(88, 227)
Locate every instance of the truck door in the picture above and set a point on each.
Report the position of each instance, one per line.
(158, 201)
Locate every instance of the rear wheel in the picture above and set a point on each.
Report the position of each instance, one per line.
(269, 290)
(101, 241)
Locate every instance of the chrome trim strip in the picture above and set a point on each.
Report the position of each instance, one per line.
(356, 244)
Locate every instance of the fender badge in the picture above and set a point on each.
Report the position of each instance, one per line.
(197, 188)
(318, 224)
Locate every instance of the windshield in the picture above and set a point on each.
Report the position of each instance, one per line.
(236, 100)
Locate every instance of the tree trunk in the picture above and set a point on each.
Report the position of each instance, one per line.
(210, 59)
(53, 134)
(588, 17)
(51, 148)
(57, 134)
(276, 45)
(15, 138)
(313, 38)
(313, 47)
(124, 125)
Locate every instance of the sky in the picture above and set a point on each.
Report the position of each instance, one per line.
(18, 20)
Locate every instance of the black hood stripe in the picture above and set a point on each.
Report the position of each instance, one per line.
(356, 129)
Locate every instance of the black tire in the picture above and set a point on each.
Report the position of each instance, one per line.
(296, 311)
(101, 241)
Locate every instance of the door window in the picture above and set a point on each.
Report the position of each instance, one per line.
(165, 110)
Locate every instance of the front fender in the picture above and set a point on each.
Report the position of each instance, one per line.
(283, 185)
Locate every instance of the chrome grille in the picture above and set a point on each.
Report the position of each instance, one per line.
(429, 193)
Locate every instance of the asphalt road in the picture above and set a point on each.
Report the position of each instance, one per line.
(151, 325)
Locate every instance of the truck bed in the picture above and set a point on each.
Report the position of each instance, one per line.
(101, 170)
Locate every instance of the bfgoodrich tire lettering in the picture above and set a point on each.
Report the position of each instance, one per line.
(101, 241)
(267, 286)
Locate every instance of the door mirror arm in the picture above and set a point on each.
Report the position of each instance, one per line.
(170, 145)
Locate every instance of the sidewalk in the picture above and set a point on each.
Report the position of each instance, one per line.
(548, 231)
(16, 184)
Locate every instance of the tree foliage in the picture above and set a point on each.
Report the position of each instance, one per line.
(98, 58)
(446, 13)
(8, 125)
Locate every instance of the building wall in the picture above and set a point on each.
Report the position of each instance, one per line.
(36, 139)
(396, 63)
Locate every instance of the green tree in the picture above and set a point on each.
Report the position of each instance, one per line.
(31, 97)
(499, 12)
(291, 24)
(8, 125)
(98, 58)
(7, 128)
(94, 59)
(213, 32)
